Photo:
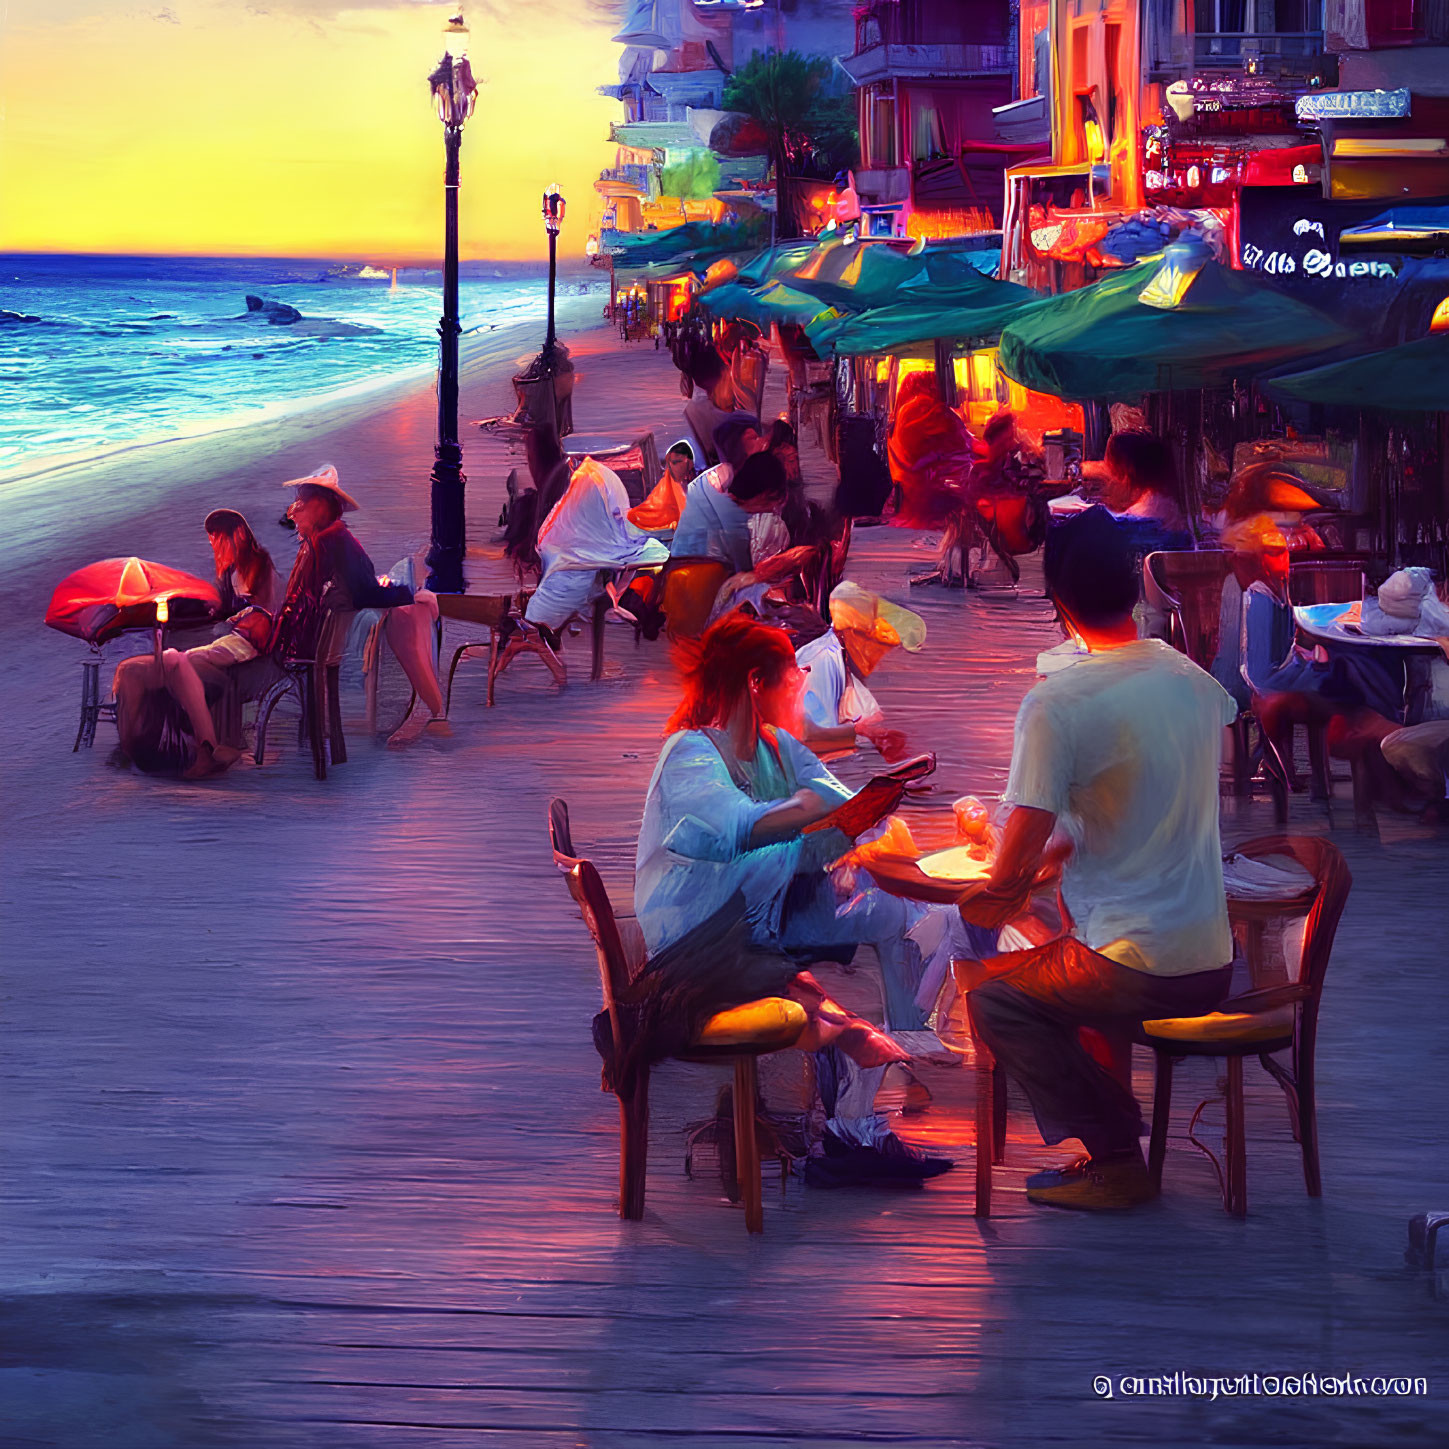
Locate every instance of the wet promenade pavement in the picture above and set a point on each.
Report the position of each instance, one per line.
(302, 1143)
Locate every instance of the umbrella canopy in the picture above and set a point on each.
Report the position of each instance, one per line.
(106, 598)
(971, 307)
(774, 262)
(867, 274)
(1410, 378)
(1205, 326)
(773, 302)
(696, 241)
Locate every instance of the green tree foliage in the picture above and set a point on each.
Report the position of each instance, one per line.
(694, 179)
(808, 127)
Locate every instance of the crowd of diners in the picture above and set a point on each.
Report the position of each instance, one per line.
(1113, 790)
(1104, 904)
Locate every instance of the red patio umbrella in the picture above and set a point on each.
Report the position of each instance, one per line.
(106, 598)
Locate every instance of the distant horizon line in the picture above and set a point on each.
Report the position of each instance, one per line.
(362, 259)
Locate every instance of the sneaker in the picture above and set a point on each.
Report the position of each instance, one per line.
(1104, 1185)
(890, 1163)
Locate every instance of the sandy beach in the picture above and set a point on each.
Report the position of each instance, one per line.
(303, 1143)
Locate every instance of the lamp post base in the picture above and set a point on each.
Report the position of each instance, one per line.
(449, 540)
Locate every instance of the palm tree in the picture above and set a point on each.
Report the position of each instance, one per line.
(787, 96)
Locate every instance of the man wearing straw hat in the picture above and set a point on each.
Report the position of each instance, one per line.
(838, 706)
(330, 554)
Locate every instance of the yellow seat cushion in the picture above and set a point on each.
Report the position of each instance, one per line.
(1227, 1027)
(771, 1022)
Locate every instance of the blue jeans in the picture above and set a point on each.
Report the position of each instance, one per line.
(809, 923)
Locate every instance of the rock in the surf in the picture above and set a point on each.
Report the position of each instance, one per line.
(277, 313)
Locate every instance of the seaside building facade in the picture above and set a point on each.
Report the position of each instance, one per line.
(929, 76)
(671, 164)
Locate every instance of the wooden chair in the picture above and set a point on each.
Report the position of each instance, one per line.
(737, 1036)
(688, 588)
(311, 675)
(990, 1105)
(505, 641)
(1188, 589)
(1271, 1016)
(1317, 579)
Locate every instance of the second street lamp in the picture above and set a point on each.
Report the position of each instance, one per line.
(553, 215)
(454, 93)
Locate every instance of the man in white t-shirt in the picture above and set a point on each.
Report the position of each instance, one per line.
(1114, 770)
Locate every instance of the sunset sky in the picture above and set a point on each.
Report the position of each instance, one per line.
(293, 127)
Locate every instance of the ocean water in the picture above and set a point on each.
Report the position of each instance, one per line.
(130, 350)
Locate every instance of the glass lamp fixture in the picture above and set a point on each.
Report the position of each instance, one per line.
(453, 87)
(1179, 269)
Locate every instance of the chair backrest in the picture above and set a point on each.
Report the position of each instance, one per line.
(587, 888)
(336, 628)
(297, 629)
(1325, 581)
(1325, 863)
(689, 590)
(560, 834)
(1189, 587)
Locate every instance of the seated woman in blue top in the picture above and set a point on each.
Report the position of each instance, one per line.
(726, 815)
(1260, 664)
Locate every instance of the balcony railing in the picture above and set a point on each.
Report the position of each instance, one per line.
(1230, 48)
(881, 62)
(631, 175)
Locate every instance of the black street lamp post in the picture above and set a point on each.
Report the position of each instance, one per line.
(553, 215)
(454, 92)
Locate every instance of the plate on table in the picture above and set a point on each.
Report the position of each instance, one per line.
(956, 864)
(904, 877)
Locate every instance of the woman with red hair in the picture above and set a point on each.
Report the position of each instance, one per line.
(726, 816)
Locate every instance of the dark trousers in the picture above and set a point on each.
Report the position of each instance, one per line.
(1029, 1014)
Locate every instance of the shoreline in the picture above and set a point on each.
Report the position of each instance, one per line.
(125, 500)
(271, 412)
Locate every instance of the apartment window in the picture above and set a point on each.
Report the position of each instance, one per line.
(881, 138)
(1229, 30)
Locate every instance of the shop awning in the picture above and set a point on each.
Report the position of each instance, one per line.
(1209, 325)
(1404, 230)
(1411, 378)
(968, 307)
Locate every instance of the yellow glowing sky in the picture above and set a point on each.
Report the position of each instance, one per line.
(293, 127)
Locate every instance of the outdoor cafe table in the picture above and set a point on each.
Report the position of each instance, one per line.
(1332, 626)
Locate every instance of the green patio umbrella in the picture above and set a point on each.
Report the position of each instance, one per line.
(1413, 377)
(853, 277)
(969, 307)
(774, 262)
(774, 302)
(696, 240)
(1204, 326)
